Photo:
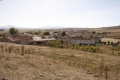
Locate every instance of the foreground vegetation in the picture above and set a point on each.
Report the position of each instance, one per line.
(100, 48)
(60, 44)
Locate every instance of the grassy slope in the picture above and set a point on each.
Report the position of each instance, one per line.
(45, 63)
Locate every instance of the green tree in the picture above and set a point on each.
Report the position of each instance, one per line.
(63, 34)
(111, 43)
(46, 33)
(108, 42)
(93, 32)
(13, 31)
(30, 32)
(37, 32)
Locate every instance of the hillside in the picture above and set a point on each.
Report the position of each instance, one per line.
(46, 63)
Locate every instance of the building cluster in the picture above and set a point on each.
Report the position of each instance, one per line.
(71, 36)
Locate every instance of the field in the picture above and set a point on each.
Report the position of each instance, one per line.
(110, 40)
(113, 32)
(30, 62)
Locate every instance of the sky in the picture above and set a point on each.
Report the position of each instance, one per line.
(60, 13)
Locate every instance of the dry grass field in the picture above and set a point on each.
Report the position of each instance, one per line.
(110, 40)
(113, 32)
(30, 62)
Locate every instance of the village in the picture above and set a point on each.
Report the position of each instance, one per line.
(80, 37)
(72, 37)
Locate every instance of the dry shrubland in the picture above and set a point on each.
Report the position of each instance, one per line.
(28, 62)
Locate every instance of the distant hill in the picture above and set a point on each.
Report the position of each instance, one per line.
(58, 27)
(112, 27)
(1, 29)
(8, 26)
(45, 27)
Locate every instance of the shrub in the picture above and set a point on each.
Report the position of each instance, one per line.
(49, 43)
(76, 46)
(10, 49)
(2, 48)
(22, 49)
(92, 49)
(6, 47)
(57, 44)
(119, 54)
(54, 44)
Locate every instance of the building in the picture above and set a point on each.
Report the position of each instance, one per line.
(83, 41)
(25, 39)
(6, 39)
(39, 40)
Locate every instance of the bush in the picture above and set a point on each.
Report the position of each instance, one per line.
(119, 54)
(58, 44)
(54, 44)
(88, 48)
(49, 43)
(76, 46)
(92, 49)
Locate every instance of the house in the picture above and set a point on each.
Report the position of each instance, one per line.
(84, 41)
(6, 39)
(21, 39)
(25, 39)
(38, 40)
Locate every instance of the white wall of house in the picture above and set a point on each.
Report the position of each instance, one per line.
(83, 41)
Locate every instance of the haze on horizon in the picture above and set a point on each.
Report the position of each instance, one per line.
(66, 13)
